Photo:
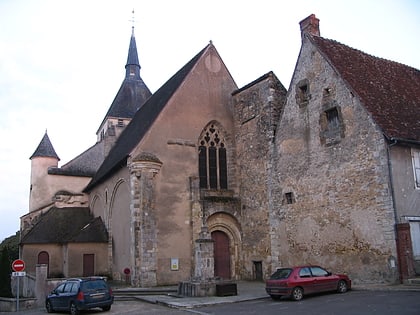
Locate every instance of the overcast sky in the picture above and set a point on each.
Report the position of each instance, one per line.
(62, 62)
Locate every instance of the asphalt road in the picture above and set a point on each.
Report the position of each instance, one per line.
(353, 302)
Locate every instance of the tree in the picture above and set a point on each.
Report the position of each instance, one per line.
(5, 272)
(9, 251)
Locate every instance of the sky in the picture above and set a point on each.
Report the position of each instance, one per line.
(62, 61)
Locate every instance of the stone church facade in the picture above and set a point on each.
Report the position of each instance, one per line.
(269, 177)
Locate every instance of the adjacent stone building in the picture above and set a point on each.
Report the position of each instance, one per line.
(325, 173)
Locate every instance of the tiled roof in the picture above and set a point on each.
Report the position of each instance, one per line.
(141, 122)
(45, 149)
(390, 91)
(67, 225)
(85, 164)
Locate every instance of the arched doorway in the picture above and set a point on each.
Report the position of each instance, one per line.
(221, 254)
(44, 259)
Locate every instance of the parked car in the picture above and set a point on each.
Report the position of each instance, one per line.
(74, 295)
(295, 282)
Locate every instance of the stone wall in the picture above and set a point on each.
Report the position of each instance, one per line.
(331, 197)
(257, 110)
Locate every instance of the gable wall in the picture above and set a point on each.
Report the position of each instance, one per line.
(342, 215)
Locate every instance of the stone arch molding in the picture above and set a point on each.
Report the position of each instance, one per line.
(228, 224)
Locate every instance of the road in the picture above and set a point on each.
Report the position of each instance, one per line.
(353, 302)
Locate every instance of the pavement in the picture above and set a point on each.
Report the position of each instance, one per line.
(248, 290)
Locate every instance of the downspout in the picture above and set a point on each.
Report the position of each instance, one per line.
(391, 143)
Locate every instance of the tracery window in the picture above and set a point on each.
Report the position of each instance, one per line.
(212, 161)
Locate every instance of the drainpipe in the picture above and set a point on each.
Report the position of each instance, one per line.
(390, 143)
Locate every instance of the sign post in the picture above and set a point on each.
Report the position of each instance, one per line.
(18, 267)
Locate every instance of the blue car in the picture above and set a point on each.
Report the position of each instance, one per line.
(74, 295)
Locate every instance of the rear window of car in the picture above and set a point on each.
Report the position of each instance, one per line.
(94, 285)
(282, 273)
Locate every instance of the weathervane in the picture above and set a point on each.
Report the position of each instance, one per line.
(132, 21)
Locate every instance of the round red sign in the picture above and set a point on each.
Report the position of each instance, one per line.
(18, 265)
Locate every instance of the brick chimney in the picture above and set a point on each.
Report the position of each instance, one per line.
(310, 25)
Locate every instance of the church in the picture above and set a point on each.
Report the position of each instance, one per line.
(203, 179)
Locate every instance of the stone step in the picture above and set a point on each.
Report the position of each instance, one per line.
(415, 281)
(120, 292)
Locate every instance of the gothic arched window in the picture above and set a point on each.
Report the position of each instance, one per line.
(212, 161)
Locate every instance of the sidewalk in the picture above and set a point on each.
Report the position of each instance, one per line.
(249, 290)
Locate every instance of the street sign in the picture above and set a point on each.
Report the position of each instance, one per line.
(18, 265)
(19, 273)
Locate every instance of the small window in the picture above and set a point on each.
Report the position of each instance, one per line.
(302, 92)
(120, 123)
(332, 118)
(332, 127)
(416, 167)
(289, 198)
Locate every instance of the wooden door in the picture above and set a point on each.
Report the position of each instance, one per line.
(88, 265)
(221, 255)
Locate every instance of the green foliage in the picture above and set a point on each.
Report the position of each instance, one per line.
(5, 272)
(9, 251)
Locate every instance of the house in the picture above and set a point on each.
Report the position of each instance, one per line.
(347, 163)
(324, 173)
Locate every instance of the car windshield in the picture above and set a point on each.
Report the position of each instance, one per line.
(282, 273)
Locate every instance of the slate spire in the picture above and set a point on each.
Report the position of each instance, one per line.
(45, 149)
(132, 68)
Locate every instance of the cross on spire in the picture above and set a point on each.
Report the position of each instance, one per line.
(132, 21)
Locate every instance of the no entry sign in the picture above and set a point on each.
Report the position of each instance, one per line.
(18, 265)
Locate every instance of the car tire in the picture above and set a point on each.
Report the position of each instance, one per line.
(106, 308)
(49, 307)
(275, 297)
(342, 286)
(297, 294)
(73, 309)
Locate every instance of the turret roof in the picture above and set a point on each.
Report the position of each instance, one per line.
(45, 149)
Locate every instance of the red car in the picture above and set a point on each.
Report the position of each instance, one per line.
(295, 282)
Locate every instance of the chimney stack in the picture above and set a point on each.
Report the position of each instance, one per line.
(310, 25)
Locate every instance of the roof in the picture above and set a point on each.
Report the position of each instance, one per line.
(142, 121)
(133, 91)
(390, 91)
(85, 164)
(45, 149)
(67, 225)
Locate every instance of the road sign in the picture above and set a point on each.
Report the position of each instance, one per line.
(19, 273)
(18, 265)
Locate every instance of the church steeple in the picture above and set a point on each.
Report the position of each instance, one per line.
(130, 97)
(132, 68)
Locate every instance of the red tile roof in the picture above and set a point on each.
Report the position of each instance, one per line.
(390, 91)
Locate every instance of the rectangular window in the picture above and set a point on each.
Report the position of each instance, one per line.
(332, 119)
(416, 167)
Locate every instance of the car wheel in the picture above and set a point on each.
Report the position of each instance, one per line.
(297, 294)
(106, 308)
(275, 297)
(342, 286)
(73, 309)
(49, 307)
